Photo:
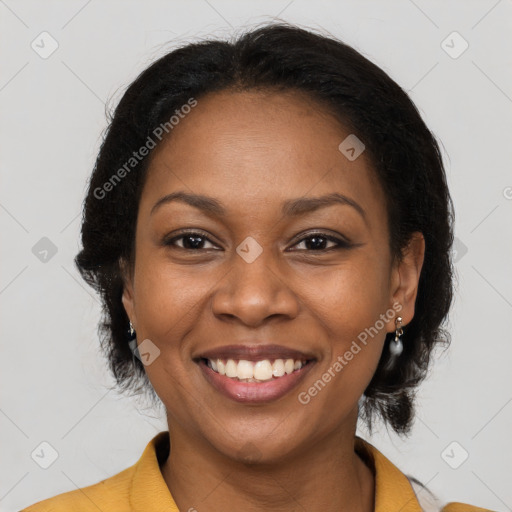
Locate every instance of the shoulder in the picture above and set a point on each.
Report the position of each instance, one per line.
(463, 507)
(139, 487)
(105, 495)
(430, 503)
(393, 487)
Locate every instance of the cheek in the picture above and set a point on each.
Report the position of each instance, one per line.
(349, 297)
(168, 297)
(168, 302)
(348, 304)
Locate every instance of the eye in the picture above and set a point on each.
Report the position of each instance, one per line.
(318, 242)
(192, 240)
(196, 240)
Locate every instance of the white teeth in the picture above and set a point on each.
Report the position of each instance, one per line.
(254, 371)
(278, 368)
(245, 369)
(231, 368)
(263, 370)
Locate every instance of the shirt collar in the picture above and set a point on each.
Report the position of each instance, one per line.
(393, 491)
(149, 491)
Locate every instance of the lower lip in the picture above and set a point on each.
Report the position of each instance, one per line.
(254, 392)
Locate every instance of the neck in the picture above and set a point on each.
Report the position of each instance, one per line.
(328, 476)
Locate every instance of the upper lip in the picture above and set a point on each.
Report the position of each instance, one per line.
(254, 353)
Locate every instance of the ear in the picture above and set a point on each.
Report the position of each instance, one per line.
(128, 295)
(405, 279)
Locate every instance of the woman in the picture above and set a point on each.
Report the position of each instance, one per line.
(269, 227)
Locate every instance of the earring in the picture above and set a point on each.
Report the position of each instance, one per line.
(396, 346)
(132, 330)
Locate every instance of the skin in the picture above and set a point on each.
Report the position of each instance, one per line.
(252, 151)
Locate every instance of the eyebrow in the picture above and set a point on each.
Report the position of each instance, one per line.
(290, 208)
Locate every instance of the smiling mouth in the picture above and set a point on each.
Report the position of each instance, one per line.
(264, 370)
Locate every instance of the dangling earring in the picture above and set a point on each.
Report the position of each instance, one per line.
(132, 343)
(396, 346)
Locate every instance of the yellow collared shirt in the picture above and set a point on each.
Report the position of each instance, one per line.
(141, 487)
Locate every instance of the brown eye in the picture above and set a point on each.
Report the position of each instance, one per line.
(190, 241)
(319, 241)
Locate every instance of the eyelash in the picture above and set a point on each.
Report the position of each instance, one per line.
(340, 243)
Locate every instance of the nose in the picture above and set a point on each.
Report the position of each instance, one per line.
(254, 292)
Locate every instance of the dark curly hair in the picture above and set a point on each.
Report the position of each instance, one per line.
(281, 57)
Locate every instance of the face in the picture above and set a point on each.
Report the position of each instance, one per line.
(260, 264)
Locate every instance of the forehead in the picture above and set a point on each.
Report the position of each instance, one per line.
(256, 149)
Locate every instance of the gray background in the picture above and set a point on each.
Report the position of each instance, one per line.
(54, 383)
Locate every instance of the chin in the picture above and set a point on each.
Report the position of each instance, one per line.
(266, 450)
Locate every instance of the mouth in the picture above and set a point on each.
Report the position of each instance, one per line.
(254, 374)
(263, 370)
